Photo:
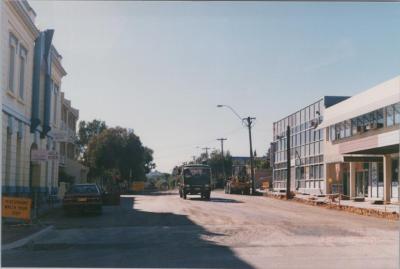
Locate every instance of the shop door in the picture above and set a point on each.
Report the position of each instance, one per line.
(362, 183)
(345, 183)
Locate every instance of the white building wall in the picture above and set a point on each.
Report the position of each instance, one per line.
(12, 104)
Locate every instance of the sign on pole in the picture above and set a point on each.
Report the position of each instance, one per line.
(52, 155)
(19, 208)
(59, 136)
(39, 155)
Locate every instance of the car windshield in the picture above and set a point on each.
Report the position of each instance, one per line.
(84, 189)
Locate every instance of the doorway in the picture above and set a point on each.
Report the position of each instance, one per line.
(362, 183)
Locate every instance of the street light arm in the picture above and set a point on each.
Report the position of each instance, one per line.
(237, 115)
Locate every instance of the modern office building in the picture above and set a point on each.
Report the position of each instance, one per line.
(361, 145)
(306, 148)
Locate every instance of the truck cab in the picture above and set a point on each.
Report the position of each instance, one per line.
(195, 179)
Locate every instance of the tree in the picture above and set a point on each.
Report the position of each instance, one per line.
(86, 131)
(216, 162)
(120, 150)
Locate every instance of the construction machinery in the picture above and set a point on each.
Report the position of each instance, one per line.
(239, 182)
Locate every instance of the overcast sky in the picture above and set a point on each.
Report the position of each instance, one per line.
(162, 67)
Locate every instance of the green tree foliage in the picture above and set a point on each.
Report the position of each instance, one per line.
(117, 149)
(217, 162)
(87, 130)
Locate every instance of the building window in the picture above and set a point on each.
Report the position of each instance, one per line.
(7, 174)
(389, 116)
(353, 126)
(397, 113)
(11, 65)
(347, 128)
(332, 132)
(18, 173)
(337, 131)
(22, 62)
(55, 103)
(379, 118)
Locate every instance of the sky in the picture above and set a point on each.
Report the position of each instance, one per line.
(161, 68)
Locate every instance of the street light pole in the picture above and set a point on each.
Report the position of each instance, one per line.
(223, 157)
(249, 121)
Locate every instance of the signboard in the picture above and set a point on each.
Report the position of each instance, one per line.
(19, 208)
(59, 136)
(52, 155)
(43, 155)
(39, 155)
(137, 186)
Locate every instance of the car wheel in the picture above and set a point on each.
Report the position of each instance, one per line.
(184, 195)
(207, 195)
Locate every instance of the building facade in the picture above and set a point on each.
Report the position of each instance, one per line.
(362, 143)
(69, 151)
(306, 148)
(31, 103)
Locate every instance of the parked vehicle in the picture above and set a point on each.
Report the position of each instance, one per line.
(83, 197)
(195, 179)
(239, 182)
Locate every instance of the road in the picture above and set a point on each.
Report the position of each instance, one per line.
(230, 231)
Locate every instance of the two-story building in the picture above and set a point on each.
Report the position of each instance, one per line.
(362, 137)
(31, 75)
(69, 151)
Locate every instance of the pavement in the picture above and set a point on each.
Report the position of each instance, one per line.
(229, 231)
(367, 204)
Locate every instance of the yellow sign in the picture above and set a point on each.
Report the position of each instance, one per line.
(19, 208)
(138, 186)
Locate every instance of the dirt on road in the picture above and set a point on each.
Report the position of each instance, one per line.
(229, 231)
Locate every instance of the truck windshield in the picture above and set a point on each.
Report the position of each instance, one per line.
(196, 175)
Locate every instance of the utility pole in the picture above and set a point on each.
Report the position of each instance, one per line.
(249, 122)
(288, 195)
(223, 157)
(206, 149)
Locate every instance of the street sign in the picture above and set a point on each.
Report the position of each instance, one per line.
(39, 155)
(19, 208)
(59, 136)
(52, 155)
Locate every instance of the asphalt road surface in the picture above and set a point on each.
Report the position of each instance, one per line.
(229, 231)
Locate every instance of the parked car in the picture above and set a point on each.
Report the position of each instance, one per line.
(82, 198)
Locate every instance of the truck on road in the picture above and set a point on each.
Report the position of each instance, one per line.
(195, 179)
(239, 182)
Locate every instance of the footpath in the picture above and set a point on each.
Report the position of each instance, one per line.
(16, 233)
(366, 207)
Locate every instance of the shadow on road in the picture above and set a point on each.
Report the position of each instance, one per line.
(125, 237)
(215, 200)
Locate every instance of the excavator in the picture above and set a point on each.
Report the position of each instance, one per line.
(239, 182)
